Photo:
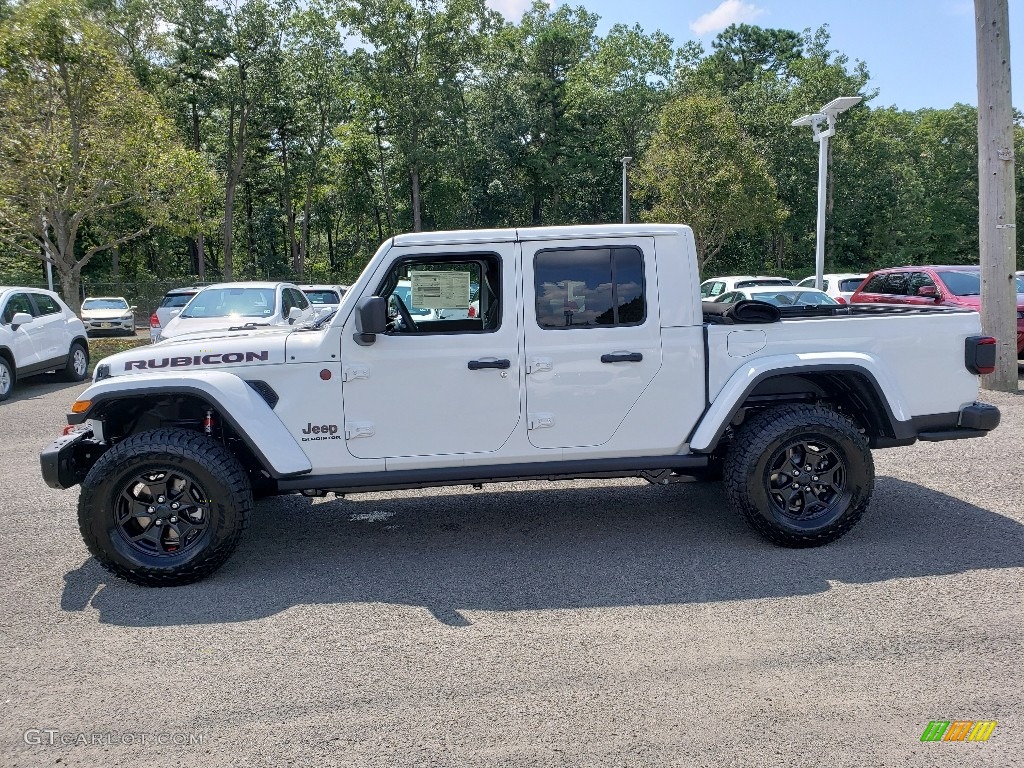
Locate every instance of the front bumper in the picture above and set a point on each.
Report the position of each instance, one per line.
(65, 461)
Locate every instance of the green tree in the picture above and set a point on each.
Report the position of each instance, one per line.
(84, 151)
(702, 170)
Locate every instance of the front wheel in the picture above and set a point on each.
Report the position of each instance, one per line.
(6, 379)
(800, 475)
(165, 507)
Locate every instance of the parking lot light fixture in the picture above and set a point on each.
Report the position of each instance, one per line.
(826, 116)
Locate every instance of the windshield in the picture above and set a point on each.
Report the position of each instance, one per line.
(793, 298)
(963, 283)
(104, 304)
(764, 281)
(176, 300)
(232, 302)
(322, 297)
(404, 292)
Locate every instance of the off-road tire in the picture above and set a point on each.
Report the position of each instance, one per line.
(196, 459)
(7, 379)
(767, 442)
(77, 368)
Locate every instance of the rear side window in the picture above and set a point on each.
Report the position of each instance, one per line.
(875, 285)
(896, 284)
(45, 304)
(589, 287)
(849, 284)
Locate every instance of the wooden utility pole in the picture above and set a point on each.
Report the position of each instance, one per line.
(997, 202)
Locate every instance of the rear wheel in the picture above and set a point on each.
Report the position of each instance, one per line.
(77, 367)
(165, 507)
(6, 379)
(800, 475)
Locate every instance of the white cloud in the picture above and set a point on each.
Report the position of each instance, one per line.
(512, 10)
(729, 12)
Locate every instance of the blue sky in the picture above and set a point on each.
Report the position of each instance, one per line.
(919, 53)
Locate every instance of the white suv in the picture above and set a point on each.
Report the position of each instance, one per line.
(39, 333)
(711, 289)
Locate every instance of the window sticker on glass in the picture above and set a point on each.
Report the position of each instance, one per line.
(437, 290)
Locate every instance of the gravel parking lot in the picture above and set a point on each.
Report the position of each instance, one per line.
(606, 623)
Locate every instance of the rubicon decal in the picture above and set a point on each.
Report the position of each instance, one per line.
(321, 432)
(186, 362)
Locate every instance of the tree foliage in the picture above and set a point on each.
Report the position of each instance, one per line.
(266, 138)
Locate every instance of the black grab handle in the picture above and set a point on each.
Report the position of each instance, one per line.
(625, 357)
(476, 365)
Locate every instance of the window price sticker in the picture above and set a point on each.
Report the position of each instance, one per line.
(440, 290)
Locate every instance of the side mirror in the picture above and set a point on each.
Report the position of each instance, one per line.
(133, 307)
(295, 313)
(928, 291)
(20, 318)
(371, 319)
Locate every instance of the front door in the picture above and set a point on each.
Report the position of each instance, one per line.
(445, 379)
(23, 339)
(593, 337)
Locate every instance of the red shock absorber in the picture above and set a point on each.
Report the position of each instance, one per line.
(208, 422)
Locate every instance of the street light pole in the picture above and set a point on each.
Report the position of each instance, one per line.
(819, 229)
(625, 189)
(827, 116)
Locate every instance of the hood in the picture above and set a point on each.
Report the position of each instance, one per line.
(974, 302)
(199, 352)
(105, 314)
(179, 326)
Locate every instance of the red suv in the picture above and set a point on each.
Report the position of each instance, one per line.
(958, 286)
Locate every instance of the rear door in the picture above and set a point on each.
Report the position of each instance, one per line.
(593, 340)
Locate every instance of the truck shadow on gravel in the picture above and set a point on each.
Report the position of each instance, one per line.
(623, 545)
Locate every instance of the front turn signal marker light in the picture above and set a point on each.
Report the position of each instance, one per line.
(81, 406)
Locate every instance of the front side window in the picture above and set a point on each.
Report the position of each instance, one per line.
(589, 287)
(444, 295)
(232, 302)
(17, 303)
(919, 280)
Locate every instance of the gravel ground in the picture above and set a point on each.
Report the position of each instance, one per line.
(605, 623)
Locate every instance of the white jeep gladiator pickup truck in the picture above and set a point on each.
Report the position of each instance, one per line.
(589, 354)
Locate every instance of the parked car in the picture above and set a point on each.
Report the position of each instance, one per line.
(171, 304)
(780, 296)
(713, 288)
(324, 298)
(112, 314)
(229, 305)
(951, 286)
(39, 333)
(839, 286)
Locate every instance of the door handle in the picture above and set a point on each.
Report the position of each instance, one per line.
(622, 357)
(476, 365)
